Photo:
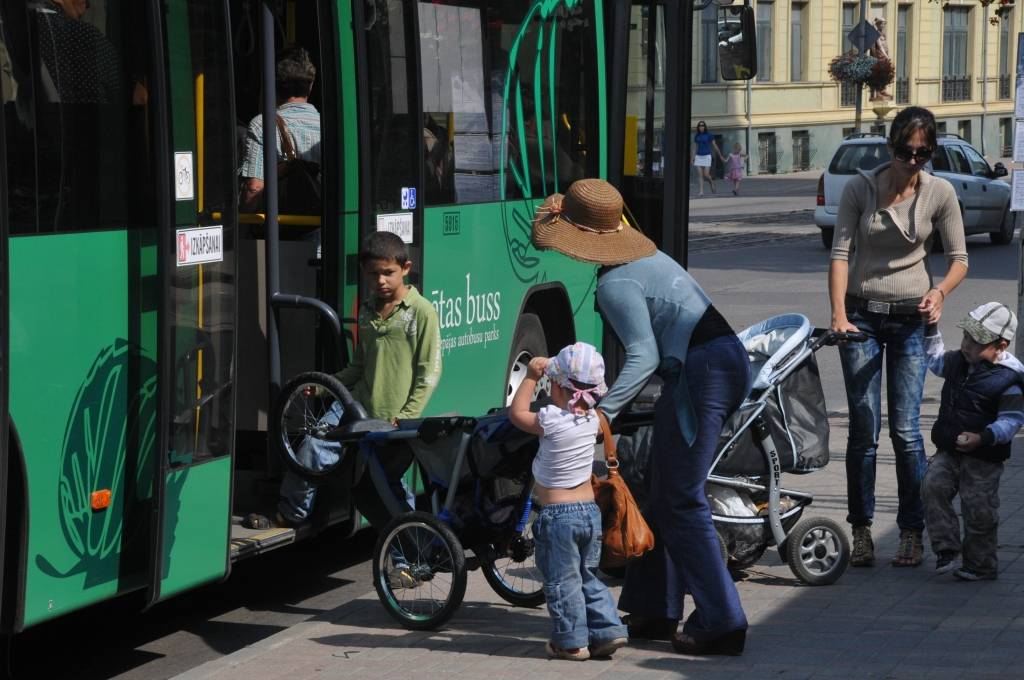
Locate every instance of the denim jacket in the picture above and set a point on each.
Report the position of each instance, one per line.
(652, 305)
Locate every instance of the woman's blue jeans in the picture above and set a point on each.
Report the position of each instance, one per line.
(568, 548)
(686, 555)
(898, 342)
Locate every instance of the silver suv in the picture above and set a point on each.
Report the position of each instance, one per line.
(984, 197)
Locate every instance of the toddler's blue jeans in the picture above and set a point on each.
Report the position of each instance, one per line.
(568, 544)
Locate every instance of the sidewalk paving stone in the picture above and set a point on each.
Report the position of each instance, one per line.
(877, 622)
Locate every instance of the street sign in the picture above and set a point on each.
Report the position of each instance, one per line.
(869, 32)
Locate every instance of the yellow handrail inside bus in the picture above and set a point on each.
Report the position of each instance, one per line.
(283, 220)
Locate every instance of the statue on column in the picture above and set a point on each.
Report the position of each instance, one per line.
(880, 51)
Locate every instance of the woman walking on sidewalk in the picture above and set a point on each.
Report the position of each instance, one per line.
(700, 156)
(880, 284)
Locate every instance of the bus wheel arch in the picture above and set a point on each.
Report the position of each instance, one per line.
(545, 325)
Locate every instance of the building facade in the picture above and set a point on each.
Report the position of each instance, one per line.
(948, 56)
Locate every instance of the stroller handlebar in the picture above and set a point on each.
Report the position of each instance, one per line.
(825, 337)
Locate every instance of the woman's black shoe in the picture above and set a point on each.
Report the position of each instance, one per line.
(730, 644)
(649, 628)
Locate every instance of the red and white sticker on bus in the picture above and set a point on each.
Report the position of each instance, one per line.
(200, 245)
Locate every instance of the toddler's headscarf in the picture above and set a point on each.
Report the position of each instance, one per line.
(579, 368)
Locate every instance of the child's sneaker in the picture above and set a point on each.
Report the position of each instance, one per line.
(581, 654)
(608, 647)
(946, 561)
(965, 574)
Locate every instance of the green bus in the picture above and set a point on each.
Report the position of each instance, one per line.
(147, 325)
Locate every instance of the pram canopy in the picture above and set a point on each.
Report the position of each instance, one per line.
(787, 381)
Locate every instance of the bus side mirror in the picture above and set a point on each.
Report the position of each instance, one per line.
(737, 43)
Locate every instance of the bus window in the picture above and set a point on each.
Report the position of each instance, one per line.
(78, 156)
(393, 143)
(465, 48)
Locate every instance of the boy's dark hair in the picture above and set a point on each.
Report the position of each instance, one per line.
(384, 245)
(295, 73)
(910, 120)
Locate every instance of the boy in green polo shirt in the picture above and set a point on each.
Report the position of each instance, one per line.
(395, 369)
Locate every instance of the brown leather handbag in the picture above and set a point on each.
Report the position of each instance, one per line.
(626, 534)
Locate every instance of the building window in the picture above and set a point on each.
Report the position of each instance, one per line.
(764, 39)
(1004, 55)
(903, 54)
(848, 132)
(797, 22)
(767, 157)
(848, 92)
(801, 150)
(940, 126)
(709, 44)
(963, 128)
(1006, 137)
(956, 81)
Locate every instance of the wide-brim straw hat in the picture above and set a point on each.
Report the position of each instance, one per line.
(586, 224)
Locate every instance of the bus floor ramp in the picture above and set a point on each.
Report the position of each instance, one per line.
(248, 542)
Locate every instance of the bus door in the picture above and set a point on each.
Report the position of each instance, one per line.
(198, 321)
(644, 144)
(5, 83)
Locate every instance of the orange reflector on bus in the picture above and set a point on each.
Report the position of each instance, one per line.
(100, 499)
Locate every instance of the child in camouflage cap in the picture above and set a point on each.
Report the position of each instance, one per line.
(982, 408)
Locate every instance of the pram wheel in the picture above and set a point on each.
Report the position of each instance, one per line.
(817, 551)
(310, 405)
(513, 573)
(419, 570)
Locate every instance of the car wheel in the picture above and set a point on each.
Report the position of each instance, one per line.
(826, 237)
(1004, 236)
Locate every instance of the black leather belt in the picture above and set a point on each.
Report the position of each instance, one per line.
(900, 308)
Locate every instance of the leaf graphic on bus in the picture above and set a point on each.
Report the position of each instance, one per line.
(108, 445)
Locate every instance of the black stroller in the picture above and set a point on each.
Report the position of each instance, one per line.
(476, 473)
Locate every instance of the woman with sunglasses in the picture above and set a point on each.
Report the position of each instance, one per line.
(880, 284)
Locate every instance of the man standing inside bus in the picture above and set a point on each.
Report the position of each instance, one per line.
(294, 78)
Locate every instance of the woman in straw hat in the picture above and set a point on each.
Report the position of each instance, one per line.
(668, 326)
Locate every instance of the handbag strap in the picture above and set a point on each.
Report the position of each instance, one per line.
(610, 459)
(287, 145)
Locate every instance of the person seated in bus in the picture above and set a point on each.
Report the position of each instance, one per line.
(294, 78)
(396, 366)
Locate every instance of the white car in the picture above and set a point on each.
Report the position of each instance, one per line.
(984, 197)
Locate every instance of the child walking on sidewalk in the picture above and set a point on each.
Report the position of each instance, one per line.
(567, 532)
(981, 410)
(734, 167)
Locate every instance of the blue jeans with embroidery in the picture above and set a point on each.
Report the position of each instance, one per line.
(896, 343)
(687, 557)
(568, 548)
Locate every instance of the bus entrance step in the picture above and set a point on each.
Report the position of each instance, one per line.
(250, 542)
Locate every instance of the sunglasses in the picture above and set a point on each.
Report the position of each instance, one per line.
(903, 153)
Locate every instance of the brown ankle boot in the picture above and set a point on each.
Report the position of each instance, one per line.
(863, 548)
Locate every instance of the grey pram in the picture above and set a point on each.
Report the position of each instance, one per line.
(781, 427)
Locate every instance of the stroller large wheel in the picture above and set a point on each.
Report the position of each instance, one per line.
(818, 551)
(419, 571)
(513, 573)
(310, 405)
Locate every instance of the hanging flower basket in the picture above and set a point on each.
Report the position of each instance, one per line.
(881, 75)
(851, 67)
